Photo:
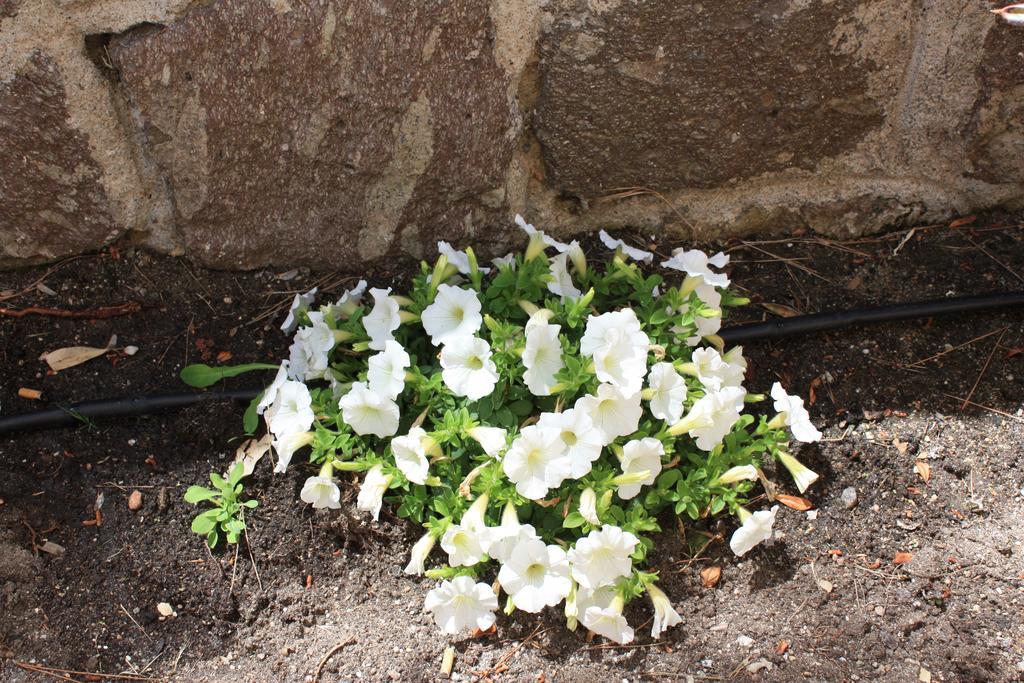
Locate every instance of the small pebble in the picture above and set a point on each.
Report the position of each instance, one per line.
(135, 500)
(849, 497)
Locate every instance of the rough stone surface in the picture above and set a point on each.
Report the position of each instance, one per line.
(245, 133)
(324, 131)
(53, 202)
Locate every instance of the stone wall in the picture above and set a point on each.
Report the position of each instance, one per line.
(248, 132)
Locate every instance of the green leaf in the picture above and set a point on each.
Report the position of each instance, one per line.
(573, 520)
(717, 505)
(236, 474)
(251, 503)
(218, 481)
(250, 420)
(197, 494)
(201, 375)
(205, 522)
(521, 408)
(212, 538)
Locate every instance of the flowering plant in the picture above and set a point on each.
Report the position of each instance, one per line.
(535, 418)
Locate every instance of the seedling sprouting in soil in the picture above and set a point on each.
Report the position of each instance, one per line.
(227, 517)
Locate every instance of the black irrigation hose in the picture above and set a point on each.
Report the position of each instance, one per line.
(144, 405)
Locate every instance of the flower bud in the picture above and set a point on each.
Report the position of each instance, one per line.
(632, 478)
(419, 553)
(588, 506)
(802, 475)
(737, 474)
(407, 317)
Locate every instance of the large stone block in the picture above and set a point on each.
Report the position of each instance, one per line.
(324, 131)
(843, 116)
(52, 202)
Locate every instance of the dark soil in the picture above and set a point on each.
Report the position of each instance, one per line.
(827, 601)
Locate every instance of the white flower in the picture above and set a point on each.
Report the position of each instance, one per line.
(795, 415)
(385, 374)
(418, 556)
(608, 621)
(613, 413)
(602, 557)
(716, 372)
(1012, 14)
(301, 302)
(599, 597)
(667, 390)
(711, 417)
(705, 328)
(348, 302)
(467, 367)
(491, 439)
(411, 455)
(542, 356)
(561, 281)
(665, 616)
(506, 261)
(371, 493)
(499, 541)
(270, 393)
(536, 461)
(583, 443)
(454, 313)
(321, 492)
(463, 546)
(310, 352)
(631, 252)
(536, 575)
(641, 455)
(381, 323)
(802, 475)
(619, 348)
(462, 605)
(697, 264)
(368, 412)
(575, 253)
(292, 409)
(756, 527)
(459, 259)
(588, 506)
(286, 445)
(738, 473)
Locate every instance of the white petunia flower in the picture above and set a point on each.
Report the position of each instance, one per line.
(641, 455)
(368, 412)
(542, 356)
(705, 328)
(697, 264)
(385, 373)
(506, 261)
(665, 616)
(411, 455)
(583, 443)
(371, 493)
(536, 461)
(270, 393)
(310, 352)
(492, 439)
(454, 313)
(619, 347)
(791, 410)
(575, 253)
(561, 283)
(419, 554)
(462, 605)
(467, 367)
(802, 475)
(588, 506)
(291, 411)
(609, 622)
(459, 259)
(348, 302)
(499, 541)
(711, 417)
(286, 445)
(756, 528)
(613, 413)
(381, 323)
(630, 251)
(737, 474)
(301, 302)
(321, 492)
(536, 575)
(596, 334)
(667, 390)
(715, 372)
(463, 546)
(602, 557)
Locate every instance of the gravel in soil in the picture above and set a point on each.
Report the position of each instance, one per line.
(909, 567)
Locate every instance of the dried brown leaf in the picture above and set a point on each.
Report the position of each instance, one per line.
(781, 310)
(794, 502)
(923, 469)
(902, 557)
(70, 356)
(710, 576)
